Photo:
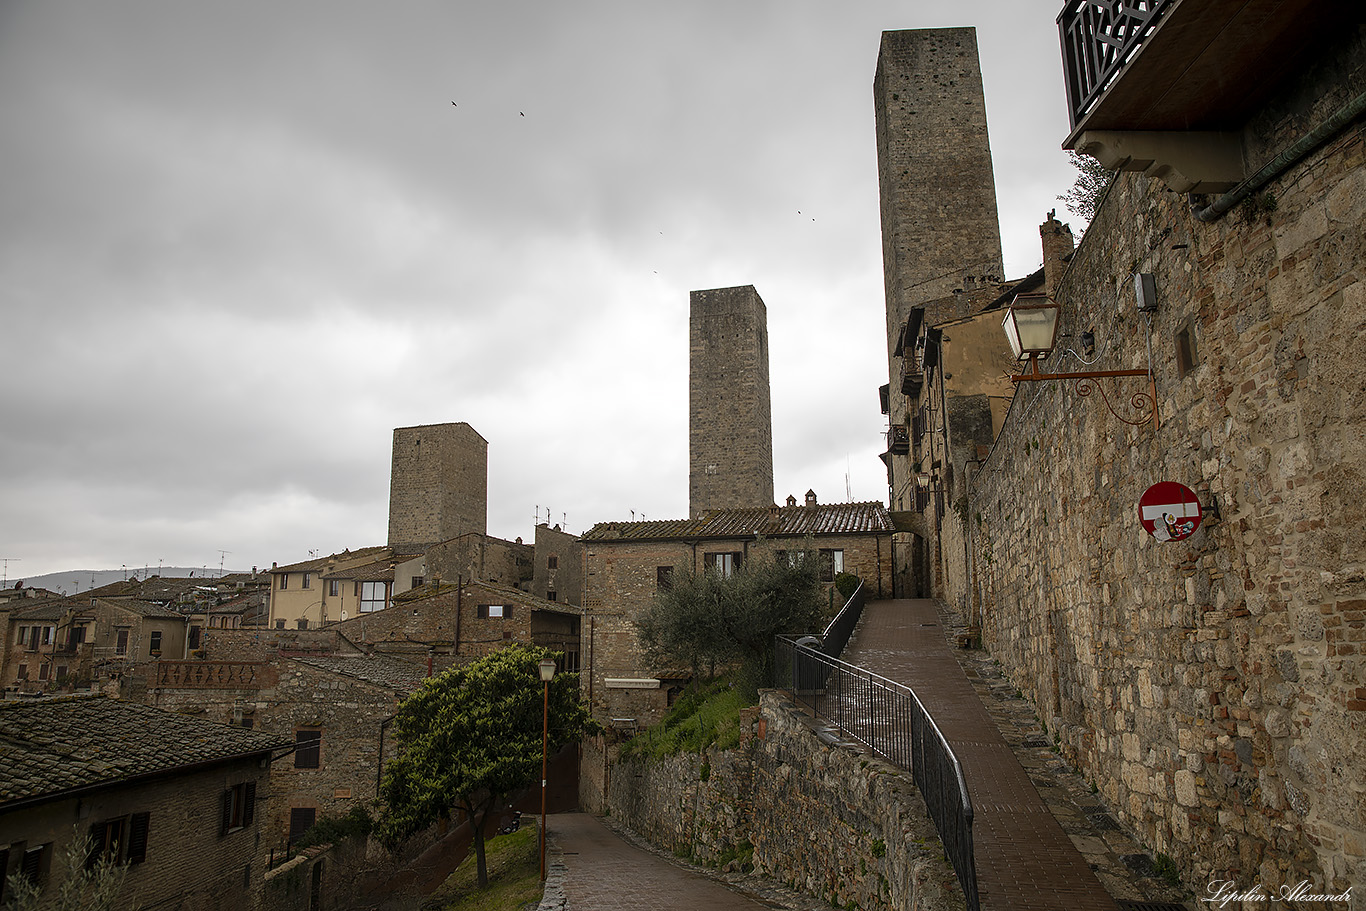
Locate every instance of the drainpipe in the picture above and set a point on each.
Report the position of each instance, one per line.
(1285, 160)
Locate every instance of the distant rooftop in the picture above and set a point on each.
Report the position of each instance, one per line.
(772, 521)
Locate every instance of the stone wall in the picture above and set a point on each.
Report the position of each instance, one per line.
(730, 421)
(1214, 688)
(830, 820)
(558, 574)
(438, 483)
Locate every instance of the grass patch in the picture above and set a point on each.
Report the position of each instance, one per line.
(514, 865)
(707, 714)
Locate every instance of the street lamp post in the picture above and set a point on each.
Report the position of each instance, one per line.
(547, 668)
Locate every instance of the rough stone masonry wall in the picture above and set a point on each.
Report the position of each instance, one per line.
(1213, 688)
(828, 820)
(730, 420)
(438, 483)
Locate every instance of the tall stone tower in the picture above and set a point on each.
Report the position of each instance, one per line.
(940, 231)
(941, 254)
(730, 423)
(438, 486)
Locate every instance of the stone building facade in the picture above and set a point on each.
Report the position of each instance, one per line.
(1213, 688)
(438, 485)
(558, 573)
(628, 562)
(172, 799)
(730, 421)
(941, 253)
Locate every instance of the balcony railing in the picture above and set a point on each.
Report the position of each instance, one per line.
(1098, 38)
(898, 439)
(207, 674)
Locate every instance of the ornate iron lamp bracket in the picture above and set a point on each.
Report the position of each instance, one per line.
(1143, 403)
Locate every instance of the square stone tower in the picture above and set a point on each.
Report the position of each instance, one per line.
(940, 231)
(438, 487)
(730, 422)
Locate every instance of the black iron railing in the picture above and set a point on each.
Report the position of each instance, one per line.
(1098, 38)
(890, 720)
(838, 631)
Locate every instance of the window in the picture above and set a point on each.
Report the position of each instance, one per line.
(307, 749)
(35, 862)
(195, 633)
(121, 642)
(494, 611)
(832, 563)
(308, 580)
(417, 581)
(301, 819)
(284, 581)
(49, 633)
(664, 578)
(333, 588)
(552, 596)
(156, 642)
(373, 596)
(553, 562)
(303, 623)
(43, 671)
(22, 673)
(1186, 356)
(239, 807)
(723, 564)
(120, 841)
(76, 637)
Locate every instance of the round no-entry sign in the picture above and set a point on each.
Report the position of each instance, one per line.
(1169, 511)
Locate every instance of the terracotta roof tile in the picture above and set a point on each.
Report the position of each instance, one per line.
(49, 746)
(787, 521)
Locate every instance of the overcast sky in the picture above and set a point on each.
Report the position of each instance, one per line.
(241, 242)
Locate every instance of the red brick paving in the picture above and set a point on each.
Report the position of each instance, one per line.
(605, 873)
(1024, 859)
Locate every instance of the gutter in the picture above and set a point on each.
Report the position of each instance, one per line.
(1285, 160)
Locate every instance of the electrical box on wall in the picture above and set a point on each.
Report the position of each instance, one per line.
(1145, 289)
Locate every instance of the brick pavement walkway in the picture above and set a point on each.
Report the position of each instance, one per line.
(591, 868)
(1024, 859)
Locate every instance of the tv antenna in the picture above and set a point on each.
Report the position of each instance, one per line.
(221, 555)
(4, 579)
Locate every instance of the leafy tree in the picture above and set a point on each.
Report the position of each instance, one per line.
(471, 738)
(1092, 181)
(82, 887)
(709, 619)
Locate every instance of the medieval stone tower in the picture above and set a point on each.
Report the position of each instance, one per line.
(941, 253)
(438, 486)
(940, 233)
(730, 424)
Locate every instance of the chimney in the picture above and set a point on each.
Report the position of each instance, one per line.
(791, 500)
(1057, 247)
(810, 498)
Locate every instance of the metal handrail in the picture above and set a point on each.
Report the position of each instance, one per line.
(837, 631)
(889, 718)
(1098, 39)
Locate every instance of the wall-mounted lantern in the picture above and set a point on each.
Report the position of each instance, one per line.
(1031, 327)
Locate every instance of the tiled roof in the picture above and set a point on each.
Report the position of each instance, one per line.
(46, 610)
(379, 571)
(400, 676)
(787, 521)
(144, 608)
(49, 746)
(320, 563)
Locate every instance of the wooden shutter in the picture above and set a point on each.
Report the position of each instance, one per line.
(137, 837)
(249, 803)
(98, 833)
(32, 865)
(227, 811)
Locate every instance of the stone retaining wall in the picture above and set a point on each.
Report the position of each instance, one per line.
(828, 819)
